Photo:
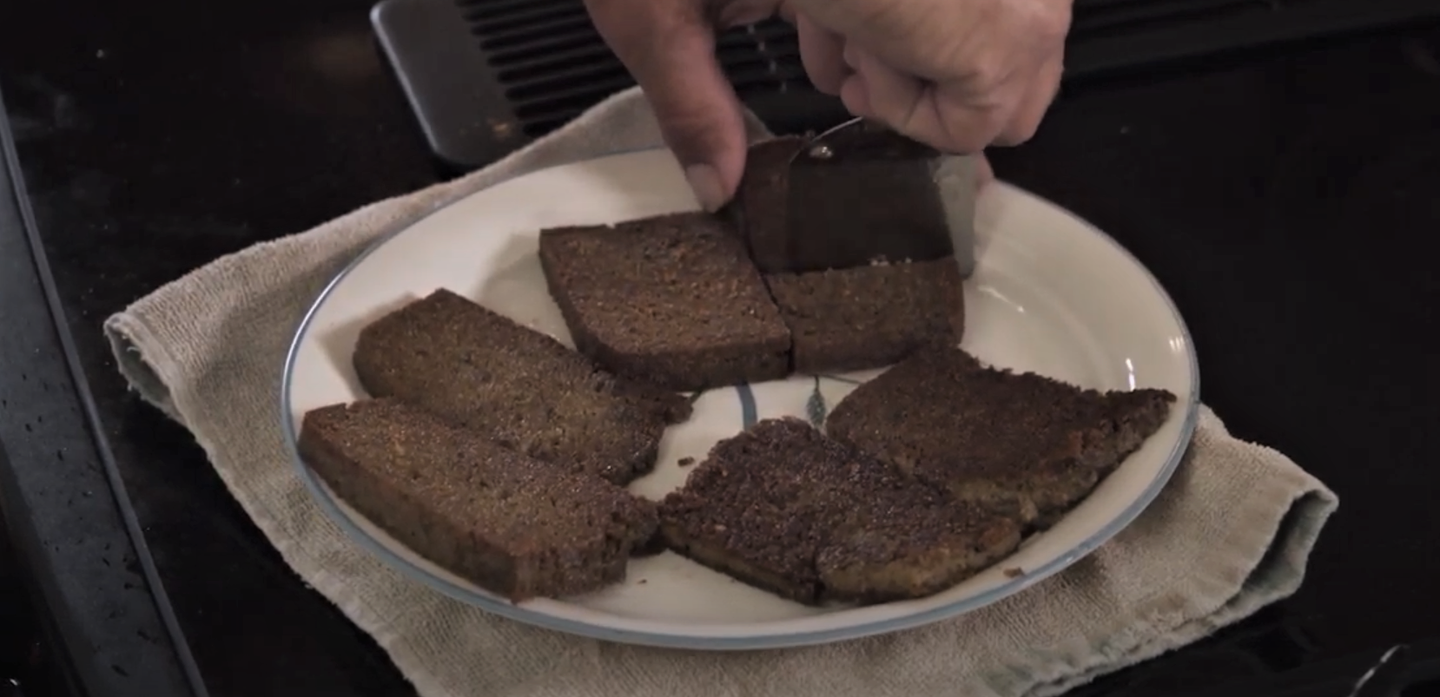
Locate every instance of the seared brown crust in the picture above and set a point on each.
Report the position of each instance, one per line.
(785, 207)
(516, 386)
(759, 209)
(870, 316)
(510, 524)
(671, 300)
(1017, 441)
(784, 508)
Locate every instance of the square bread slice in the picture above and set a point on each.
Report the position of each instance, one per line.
(672, 300)
(516, 386)
(1022, 442)
(784, 508)
(792, 223)
(869, 316)
(512, 525)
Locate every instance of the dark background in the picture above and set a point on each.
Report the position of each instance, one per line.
(1285, 200)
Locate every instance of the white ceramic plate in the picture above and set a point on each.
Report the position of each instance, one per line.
(1051, 294)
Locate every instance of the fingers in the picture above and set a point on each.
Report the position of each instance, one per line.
(669, 47)
(822, 54)
(786, 11)
(730, 13)
(952, 117)
(910, 106)
(896, 29)
(877, 91)
(957, 75)
(1040, 93)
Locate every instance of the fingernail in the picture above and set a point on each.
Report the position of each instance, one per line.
(705, 182)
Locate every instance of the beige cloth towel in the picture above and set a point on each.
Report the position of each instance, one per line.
(1230, 534)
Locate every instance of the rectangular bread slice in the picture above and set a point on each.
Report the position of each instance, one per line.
(869, 316)
(784, 508)
(672, 300)
(512, 525)
(801, 215)
(516, 386)
(1018, 442)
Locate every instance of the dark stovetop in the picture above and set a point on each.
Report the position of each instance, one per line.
(1286, 203)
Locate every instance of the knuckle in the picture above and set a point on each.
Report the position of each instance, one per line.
(974, 131)
(1051, 28)
(1019, 130)
(987, 74)
(1049, 23)
(1017, 134)
(994, 129)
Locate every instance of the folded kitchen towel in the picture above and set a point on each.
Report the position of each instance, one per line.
(1230, 534)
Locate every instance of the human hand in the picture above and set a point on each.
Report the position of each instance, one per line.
(958, 76)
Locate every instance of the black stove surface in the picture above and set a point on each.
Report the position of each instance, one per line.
(1286, 201)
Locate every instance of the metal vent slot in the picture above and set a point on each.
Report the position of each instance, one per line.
(761, 40)
(484, 16)
(499, 8)
(536, 18)
(751, 75)
(553, 46)
(763, 59)
(606, 78)
(511, 68)
(532, 36)
(552, 64)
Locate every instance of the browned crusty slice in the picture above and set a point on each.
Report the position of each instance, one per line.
(869, 316)
(510, 524)
(516, 386)
(760, 209)
(672, 300)
(784, 508)
(1019, 441)
(797, 213)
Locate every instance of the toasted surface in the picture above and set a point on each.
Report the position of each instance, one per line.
(516, 386)
(787, 212)
(760, 207)
(869, 316)
(1016, 441)
(672, 300)
(510, 524)
(784, 508)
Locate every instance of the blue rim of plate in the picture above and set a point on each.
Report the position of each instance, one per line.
(511, 611)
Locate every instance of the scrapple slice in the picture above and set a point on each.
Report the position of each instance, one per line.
(869, 316)
(760, 209)
(672, 300)
(516, 386)
(786, 209)
(513, 525)
(1014, 441)
(784, 508)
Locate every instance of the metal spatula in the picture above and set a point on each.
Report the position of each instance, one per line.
(861, 193)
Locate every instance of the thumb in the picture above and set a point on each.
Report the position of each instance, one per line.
(669, 47)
